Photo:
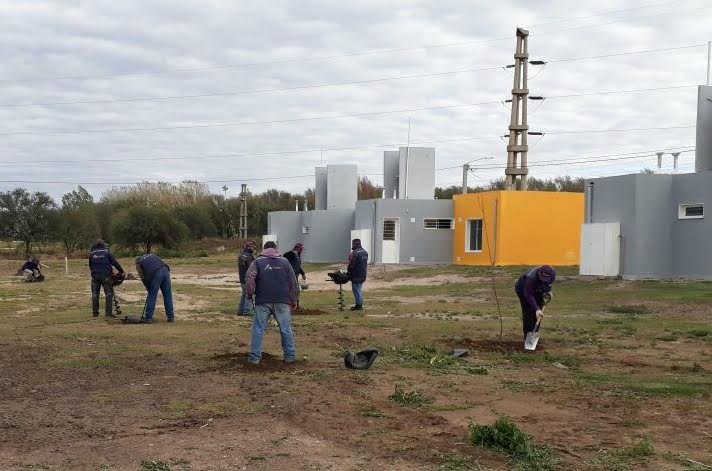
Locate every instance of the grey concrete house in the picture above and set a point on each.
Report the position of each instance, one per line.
(407, 226)
(653, 226)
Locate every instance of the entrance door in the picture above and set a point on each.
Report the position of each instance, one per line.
(390, 248)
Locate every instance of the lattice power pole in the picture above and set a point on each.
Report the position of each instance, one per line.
(243, 212)
(517, 148)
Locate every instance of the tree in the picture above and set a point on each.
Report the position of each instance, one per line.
(77, 198)
(148, 227)
(367, 190)
(25, 216)
(76, 224)
(197, 220)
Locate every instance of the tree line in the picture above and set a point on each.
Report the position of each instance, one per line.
(148, 215)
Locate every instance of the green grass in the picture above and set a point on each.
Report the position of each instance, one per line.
(678, 385)
(154, 465)
(453, 462)
(410, 399)
(524, 357)
(506, 437)
(373, 413)
(629, 309)
(642, 449)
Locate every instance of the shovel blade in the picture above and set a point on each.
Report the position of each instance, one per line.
(531, 341)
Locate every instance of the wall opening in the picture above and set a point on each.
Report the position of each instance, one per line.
(473, 238)
(691, 211)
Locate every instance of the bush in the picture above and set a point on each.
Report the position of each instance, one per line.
(148, 227)
(505, 437)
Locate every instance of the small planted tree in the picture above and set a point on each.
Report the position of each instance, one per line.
(148, 227)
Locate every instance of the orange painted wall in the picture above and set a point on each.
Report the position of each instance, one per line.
(528, 228)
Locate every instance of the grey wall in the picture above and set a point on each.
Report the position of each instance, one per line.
(391, 163)
(427, 246)
(703, 153)
(287, 226)
(419, 182)
(320, 187)
(329, 238)
(655, 242)
(342, 186)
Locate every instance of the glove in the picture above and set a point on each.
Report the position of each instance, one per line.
(304, 277)
(539, 314)
(293, 306)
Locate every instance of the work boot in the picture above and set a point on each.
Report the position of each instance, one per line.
(110, 316)
(146, 321)
(95, 315)
(171, 319)
(358, 307)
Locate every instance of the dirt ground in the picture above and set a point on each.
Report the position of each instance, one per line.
(622, 379)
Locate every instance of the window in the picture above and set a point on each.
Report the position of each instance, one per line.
(389, 229)
(474, 236)
(691, 211)
(444, 224)
(305, 229)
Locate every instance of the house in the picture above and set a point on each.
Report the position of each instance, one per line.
(653, 225)
(517, 228)
(408, 225)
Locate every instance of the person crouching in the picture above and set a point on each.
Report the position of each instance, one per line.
(531, 288)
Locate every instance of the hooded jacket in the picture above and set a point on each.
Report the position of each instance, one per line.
(531, 289)
(295, 260)
(270, 279)
(358, 265)
(244, 260)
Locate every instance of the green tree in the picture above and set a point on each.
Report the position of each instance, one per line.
(76, 223)
(197, 220)
(26, 216)
(148, 227)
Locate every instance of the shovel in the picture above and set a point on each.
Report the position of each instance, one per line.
(532, 339)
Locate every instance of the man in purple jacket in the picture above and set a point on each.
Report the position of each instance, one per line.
(272, 286)
(531, 288)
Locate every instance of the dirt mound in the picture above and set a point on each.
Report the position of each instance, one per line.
(487, 345)
(309, 312)
(269, 362)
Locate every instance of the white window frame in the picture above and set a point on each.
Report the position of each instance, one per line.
(396, 229)
(467, 234)
(452, 224)
(305, 229)
(681, 212)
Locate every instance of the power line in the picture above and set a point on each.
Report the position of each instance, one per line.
(335, 84)
(345, 55)
(605, 158)
(245, 92)
(595, 131)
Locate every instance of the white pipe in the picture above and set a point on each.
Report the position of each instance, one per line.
(709, 60)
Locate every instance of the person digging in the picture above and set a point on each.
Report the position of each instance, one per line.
(294, 257)
(101, 261)
(533, 289)
(155, 274)
(31, 270)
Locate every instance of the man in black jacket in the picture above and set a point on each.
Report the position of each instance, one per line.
(294, 257)
(244, 260)
(101, 262)
(357, 271)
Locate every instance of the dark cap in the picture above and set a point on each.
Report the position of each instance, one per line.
(270, 245)
(100, 243)
(547, 273)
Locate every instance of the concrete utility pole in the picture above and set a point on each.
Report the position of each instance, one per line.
(517, 148)
(243, 211)
(660, 162)
(465, 171)
(675, 156)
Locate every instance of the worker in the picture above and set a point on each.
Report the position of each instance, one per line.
(294, 257)
(244, 260)
(155, 274)
(101, 264)
(272, 286)
(531, 288)
(357, 270)
(31, 269)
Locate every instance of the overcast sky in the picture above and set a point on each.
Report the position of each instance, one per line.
(103, 50)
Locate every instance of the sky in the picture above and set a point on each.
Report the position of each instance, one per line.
(108, 92)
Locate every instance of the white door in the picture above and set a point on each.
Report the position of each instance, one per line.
(600, 249)
(390, 246)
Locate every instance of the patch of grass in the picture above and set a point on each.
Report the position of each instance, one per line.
(522, 357)
(505, 437)
(373, 413)
(668, 337)
(699, 333)
(517, 386)
(642, 449)
(629, 309)
(426, 356)
(410, 399)
(453, 462)
(155, 465)
(651, 386)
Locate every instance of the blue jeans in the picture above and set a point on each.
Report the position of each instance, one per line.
(283, 315)
(244, 305)
(357, 289)
(161, 280)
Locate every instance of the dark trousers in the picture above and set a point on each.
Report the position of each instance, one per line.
(96, 285)
(528, 313)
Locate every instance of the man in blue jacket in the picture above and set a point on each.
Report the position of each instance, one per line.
(357, 270)
(531, 288)
(273, 285)
(155, 275)
(244, 260)
(101, 263)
